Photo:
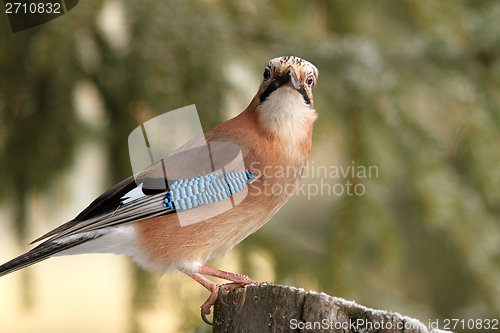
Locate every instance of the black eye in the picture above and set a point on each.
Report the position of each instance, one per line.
(310, 81)
(267, 74)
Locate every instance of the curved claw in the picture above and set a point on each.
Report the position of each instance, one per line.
(204, 317)
(244, 298)
(236, 300)
(221, 293)
(205, 308)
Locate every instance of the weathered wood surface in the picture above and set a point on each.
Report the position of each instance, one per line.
(274, 308)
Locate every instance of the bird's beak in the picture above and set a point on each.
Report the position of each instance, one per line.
(288, 77)
(298, 86)
(295, 82)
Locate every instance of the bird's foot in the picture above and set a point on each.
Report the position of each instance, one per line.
(205, 307)
(217, 292)
(226, 288)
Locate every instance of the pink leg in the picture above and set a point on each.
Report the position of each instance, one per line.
(238, 278)
(214, 293)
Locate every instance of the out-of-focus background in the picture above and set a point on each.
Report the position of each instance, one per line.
(408, 88)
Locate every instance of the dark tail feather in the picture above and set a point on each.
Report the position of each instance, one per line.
(39, 253)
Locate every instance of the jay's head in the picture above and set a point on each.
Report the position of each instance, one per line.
(285, 96)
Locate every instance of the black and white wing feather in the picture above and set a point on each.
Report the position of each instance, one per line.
(132, 200)
(128, 201)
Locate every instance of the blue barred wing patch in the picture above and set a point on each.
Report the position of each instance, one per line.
(193, 192)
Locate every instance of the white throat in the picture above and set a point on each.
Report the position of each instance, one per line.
(285, 114)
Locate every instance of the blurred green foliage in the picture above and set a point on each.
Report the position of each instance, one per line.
(412, 87)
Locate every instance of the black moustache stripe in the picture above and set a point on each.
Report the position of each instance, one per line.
(275, 84)
(278, 83)
(302, 91)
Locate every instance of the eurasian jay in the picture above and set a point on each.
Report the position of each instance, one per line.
(274, 136)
